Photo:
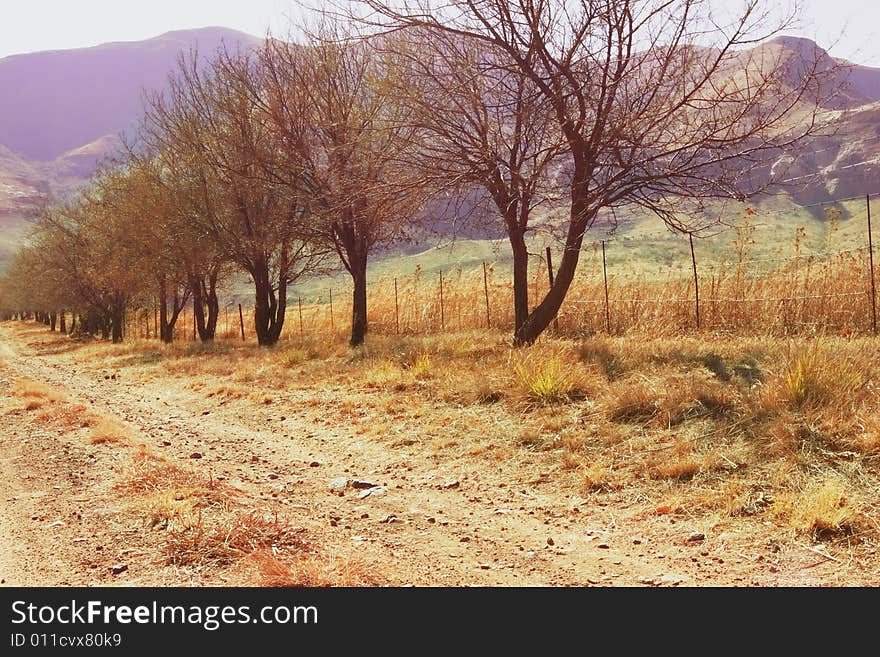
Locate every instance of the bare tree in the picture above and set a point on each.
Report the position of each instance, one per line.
(208, 122)
(481, 125)
(77, 242)
(658, 101)
(333, 106)
(171, 199)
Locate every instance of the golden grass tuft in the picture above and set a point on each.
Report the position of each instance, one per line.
(816, 374)
(383, 374)
(825, 509)
(227, 539)
(107, 430)
(36, 394)
(548, 382)
(422, 367)
(314, 571)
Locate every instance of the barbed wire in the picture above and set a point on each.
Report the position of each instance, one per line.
(718, 299)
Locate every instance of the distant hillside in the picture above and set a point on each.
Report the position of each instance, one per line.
(61, 113)
(57, 101)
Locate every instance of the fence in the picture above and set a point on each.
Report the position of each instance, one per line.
(834, 290)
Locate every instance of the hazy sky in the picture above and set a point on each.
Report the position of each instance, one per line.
(32, 25)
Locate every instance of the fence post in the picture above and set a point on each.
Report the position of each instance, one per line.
(442, 315)
(241, 322)
(486, 294)
(300, 303)
(332, 324)
(396, 310)
(550, 277)
(696, 280)
(871, 260)
(605, 278)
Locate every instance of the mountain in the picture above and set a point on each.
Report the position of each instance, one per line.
(62, 112)
(57, 101)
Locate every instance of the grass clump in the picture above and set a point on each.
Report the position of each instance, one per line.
(548, 383)
(824, 510)
(814, 377)
(229, 539)
(106, 430)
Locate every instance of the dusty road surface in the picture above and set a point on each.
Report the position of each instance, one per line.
(338, 505)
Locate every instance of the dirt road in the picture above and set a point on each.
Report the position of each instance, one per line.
(428, 519)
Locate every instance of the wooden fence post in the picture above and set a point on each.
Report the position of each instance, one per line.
(332, 323)
(300, 303)
(241, 322)
(605, 277)
(442, 315)
(396, 310)
(871, 261)
(550, 277)
(696, 279)
(486, 294)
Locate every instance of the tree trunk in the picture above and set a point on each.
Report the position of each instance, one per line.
(520, 279)
(166, 321)
(358, 301)
(63, 317)
(205, 297)
(53, 321)
(195, 283)
(269, 311)
(165, 332)
(543, 314)
(262, 292)
(212, 303)
(116, 324)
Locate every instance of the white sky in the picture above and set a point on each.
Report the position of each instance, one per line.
(33, 25)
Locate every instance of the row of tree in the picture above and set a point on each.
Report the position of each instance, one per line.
(299, 158)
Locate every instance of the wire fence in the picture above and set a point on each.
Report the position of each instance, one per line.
(781, 294)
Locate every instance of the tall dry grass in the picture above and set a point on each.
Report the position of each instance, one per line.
(794, 295)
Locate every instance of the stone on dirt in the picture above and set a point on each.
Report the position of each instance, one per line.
(375, 490)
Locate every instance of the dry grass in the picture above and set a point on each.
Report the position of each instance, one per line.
(760, 418)
(203, 521)
(311, 570)
(726, 427)
(107, 430)
(227, 538)
(147, 473)
(798, 294)
(36, 394)
(546, 381)
(824, 510)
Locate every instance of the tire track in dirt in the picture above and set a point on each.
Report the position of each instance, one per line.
(434, 523)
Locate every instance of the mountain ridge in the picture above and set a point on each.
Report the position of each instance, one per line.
(63, 111)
